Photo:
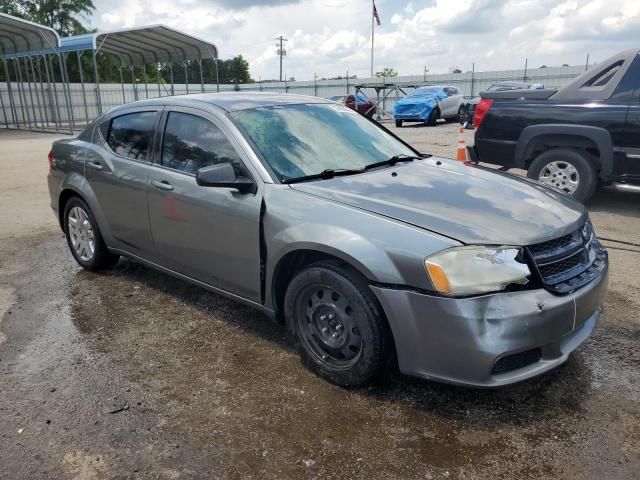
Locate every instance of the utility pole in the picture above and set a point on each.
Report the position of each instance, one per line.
(586, 65)
(281, 51)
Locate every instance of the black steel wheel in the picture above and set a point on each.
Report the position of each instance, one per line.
(340, 330)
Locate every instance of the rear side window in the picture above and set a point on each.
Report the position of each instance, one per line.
(130, 135)
(191, 142)
(604, 77)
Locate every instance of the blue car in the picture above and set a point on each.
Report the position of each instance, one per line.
(428, 104)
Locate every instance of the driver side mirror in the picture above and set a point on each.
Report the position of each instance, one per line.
(222, 175)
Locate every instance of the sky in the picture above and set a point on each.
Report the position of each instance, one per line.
(330, 37)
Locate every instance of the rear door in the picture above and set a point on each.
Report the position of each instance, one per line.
(116, 168)
(207, 233)
(630, 162)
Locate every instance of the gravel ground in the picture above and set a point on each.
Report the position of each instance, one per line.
(133, 374)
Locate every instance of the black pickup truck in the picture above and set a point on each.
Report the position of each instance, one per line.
(584, 135)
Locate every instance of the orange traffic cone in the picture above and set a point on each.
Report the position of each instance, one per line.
(461, 154)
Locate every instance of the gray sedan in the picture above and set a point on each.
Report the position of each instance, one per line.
(364, 248)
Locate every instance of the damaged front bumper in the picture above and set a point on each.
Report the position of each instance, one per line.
(491, 340)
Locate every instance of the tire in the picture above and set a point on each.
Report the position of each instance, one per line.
(462, 114)
(340, 330)
(85, 241)
(433, 117)
(398, 123)
(570, 171)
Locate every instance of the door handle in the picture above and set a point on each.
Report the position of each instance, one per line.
(95, 165)
(162, 185)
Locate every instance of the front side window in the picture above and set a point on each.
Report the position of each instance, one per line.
(306, 139)
(191, 142)
(131, 135)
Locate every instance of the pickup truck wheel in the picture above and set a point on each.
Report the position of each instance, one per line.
(84, 238)
(569, 171)
(340, 330)
(398, 123)
(433, 117)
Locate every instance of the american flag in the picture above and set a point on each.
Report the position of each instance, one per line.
(375, 14)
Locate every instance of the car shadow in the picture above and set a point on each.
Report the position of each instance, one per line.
(606, 200)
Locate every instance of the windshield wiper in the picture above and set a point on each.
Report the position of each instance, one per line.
(392, 161)
(324, 175)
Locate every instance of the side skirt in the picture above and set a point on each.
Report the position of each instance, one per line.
(270, 313)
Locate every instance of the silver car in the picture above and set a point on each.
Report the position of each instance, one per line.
(364, 248)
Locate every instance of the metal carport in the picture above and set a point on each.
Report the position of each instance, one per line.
(26, 103)
(26, 44)
(154, 44)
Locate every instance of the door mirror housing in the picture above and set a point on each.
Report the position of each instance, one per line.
(222, 175)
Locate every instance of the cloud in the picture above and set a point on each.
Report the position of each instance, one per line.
(329, 37)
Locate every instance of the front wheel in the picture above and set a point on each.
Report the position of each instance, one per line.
(570, 171)
(398, 123)
(340, 330)
(433, 117)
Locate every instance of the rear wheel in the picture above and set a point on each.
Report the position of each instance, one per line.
(462, 115)
(398, 123)
(341, 332)
(433, 117)
(570, 171)
(84, 237)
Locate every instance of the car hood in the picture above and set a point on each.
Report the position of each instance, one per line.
(469, 204)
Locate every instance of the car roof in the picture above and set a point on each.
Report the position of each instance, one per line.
(229, 101)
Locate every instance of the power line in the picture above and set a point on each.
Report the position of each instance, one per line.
(281, 51)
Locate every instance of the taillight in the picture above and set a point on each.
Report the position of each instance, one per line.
(50, 159)
(481, 111)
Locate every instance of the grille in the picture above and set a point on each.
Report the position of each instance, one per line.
(516, 361)
(561, 242)
(562, 266)
(569, 262)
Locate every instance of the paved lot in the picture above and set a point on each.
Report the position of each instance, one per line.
(133, 374)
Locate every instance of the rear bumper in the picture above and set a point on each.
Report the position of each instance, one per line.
(408, 118)
(496, 152)
(461, 341)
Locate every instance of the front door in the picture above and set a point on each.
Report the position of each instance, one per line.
(116, 168)
(207, 233)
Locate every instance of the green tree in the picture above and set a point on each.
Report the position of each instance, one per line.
(64, 16)
(387, 72)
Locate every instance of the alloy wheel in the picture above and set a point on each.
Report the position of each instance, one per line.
(560, 175)
(81, 234)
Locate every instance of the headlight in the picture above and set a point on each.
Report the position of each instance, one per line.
(475, 270)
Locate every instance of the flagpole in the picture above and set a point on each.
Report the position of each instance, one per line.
(372, 33)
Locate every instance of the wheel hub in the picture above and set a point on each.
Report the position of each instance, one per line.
(329, 326)
(562, 176)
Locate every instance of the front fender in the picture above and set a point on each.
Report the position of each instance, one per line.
(383, 250)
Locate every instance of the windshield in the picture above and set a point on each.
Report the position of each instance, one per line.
(496, 87)
(301, 140)
(422, 92)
